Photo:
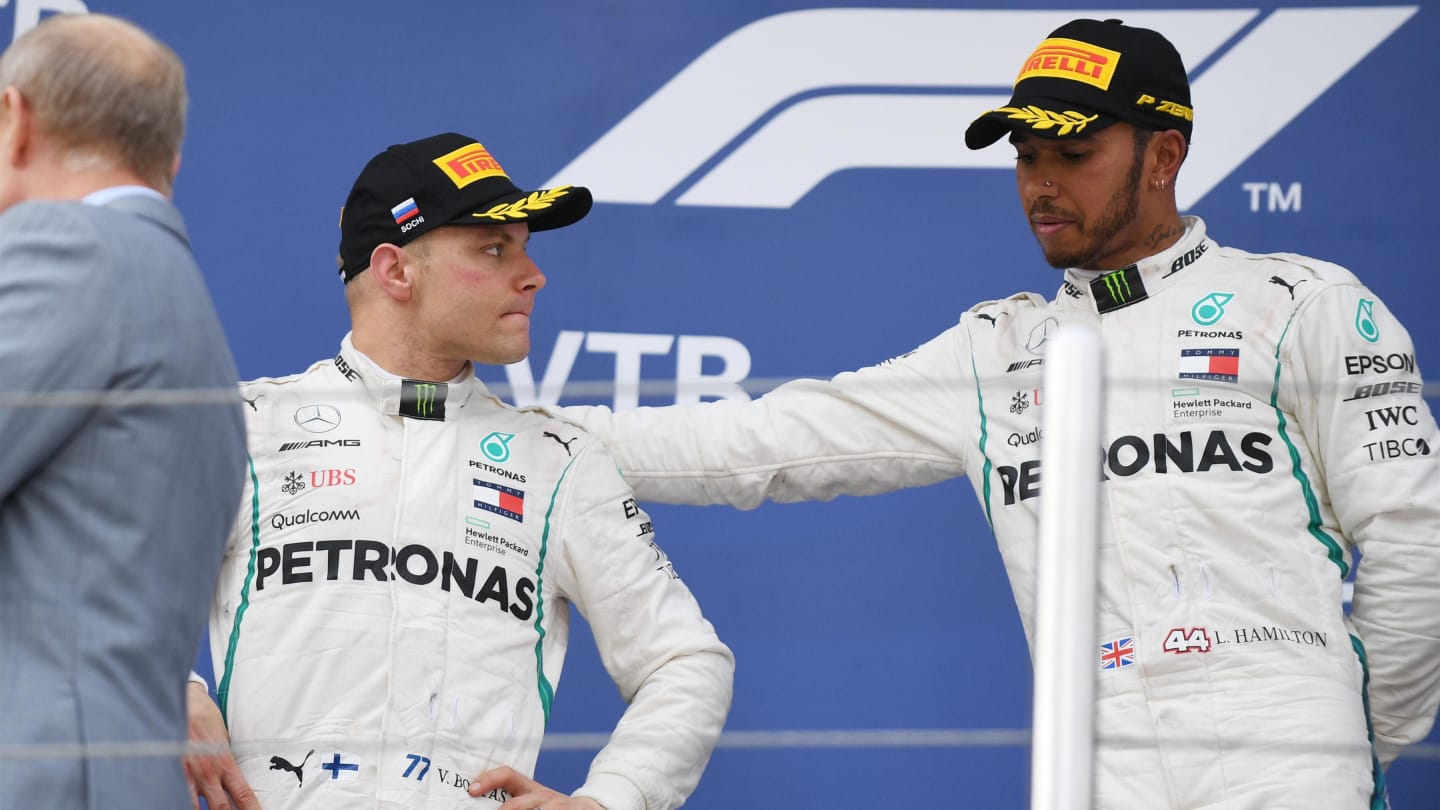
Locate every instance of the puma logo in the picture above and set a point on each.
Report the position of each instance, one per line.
(989, 317)
(283, 764)
(1287, 285)
(562, 442)
(251, 402)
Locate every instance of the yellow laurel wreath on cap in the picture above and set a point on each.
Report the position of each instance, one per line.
(521, 208)
(1037, 118)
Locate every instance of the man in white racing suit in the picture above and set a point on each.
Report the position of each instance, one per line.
(1264, 422)
(393, 613)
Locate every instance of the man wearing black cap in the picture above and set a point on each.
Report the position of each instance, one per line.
(1264, 422)
(1081, 177)
(392, 616)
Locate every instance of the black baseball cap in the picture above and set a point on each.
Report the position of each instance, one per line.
(1086, 76)
(448, 179)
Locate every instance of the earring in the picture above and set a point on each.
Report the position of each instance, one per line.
(1049, 183)
(1159, 184)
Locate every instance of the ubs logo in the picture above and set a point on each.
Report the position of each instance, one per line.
(317, 418)
(1023, 400)
(332, 478)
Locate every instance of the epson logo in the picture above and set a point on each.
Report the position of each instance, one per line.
(319, 443)
(1356, 364)
(1186, 452)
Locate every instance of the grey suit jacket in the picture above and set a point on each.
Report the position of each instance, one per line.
(113, 514)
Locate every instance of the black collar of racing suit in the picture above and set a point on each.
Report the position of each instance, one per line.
(398, 396)
(1107, 292)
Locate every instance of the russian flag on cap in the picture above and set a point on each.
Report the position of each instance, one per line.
(405, 210)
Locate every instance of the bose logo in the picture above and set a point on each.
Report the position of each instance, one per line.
(838, 107)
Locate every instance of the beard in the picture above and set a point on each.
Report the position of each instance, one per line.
(1119, 213)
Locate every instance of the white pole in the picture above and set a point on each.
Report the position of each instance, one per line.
(1066, 655)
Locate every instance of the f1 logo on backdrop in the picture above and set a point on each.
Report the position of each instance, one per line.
(805, 94)
(29, 12)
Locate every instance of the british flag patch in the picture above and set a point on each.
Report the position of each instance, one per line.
(1117, 654)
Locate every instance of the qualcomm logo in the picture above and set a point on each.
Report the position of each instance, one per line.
(771, 110)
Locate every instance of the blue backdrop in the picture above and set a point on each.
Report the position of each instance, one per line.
(782, 191)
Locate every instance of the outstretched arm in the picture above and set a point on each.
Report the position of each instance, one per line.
(886, 427)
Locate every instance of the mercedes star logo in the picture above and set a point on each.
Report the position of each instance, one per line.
(318, 418)
(1040, 334)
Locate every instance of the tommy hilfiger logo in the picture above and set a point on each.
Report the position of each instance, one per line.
(502, 500)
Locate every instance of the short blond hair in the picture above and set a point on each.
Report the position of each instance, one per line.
(104, 90)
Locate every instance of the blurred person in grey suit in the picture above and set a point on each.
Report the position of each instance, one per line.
(121, 438)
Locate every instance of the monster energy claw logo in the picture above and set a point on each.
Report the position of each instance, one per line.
(1118, 286)
(496, 446)
(1118, 289)
(1365, 321)
(422, 400)
(1209, 310)
(425, 399)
